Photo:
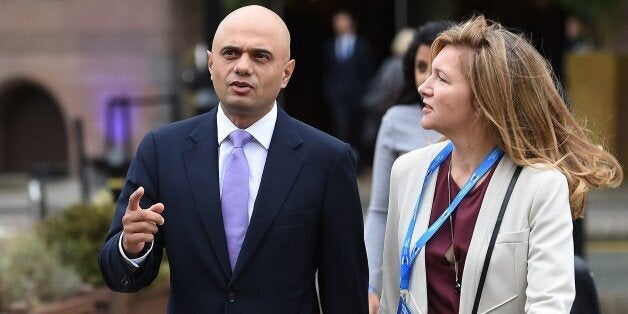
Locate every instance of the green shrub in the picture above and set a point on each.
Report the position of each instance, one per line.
(78, 234)
(32, 272)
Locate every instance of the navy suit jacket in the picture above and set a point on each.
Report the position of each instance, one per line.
(307, 218)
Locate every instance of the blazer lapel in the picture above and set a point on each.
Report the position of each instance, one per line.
(420, 281)
(201, 162)
(481, 235)
(282, 167)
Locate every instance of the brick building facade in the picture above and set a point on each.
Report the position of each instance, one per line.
(62, 61)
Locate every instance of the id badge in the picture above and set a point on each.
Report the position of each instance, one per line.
(402, 308)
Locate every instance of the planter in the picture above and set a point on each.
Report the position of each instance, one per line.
(104, 301)
(151, 301)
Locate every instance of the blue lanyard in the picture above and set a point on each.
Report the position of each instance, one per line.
(407, 258)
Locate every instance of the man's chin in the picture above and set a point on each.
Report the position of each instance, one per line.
(237, 103)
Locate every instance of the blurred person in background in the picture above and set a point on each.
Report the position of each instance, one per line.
(495, 99)
(575, 36)
(399, 133)
(348, 67)
(252, 205)
(384, 89)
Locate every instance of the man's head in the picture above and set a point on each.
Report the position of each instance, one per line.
(250, 63)
(343, 23)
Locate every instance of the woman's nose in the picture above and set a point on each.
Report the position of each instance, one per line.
(424, 88)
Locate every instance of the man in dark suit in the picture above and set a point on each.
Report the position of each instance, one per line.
(301, 208)
(347, 69)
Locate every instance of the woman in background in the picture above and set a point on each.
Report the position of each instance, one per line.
(495, 99)
(399, 133)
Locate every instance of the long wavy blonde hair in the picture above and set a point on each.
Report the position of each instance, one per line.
(517, 96)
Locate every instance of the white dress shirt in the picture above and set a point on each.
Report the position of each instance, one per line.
(344, 46)
(255, 152)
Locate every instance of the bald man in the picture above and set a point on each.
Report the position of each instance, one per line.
(299, 212)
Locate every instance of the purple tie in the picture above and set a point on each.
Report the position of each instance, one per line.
(235, 195)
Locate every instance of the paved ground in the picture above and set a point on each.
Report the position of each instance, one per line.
(606, 227)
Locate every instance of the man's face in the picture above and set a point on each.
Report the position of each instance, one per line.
(342, 23)
(249, 65)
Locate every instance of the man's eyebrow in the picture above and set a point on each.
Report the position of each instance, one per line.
(254, 50)
(230, 48)
(262, 50)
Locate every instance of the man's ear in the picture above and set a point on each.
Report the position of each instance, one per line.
(210, 63)
(287, 72)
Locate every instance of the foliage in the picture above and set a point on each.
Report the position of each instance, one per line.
(56, 260)
(32, 272)
(78, 234)
(590, 8)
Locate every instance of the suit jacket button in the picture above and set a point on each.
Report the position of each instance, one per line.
(231, 297)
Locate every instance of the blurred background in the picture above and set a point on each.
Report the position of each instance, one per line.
(81, 81)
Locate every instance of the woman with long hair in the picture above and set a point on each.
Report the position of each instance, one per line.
(496, 101)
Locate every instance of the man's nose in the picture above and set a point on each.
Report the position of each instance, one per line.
(243, 65)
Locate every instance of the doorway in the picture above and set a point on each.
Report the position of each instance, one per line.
(33, 134)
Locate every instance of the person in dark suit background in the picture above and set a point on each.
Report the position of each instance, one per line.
(348, 67)
(300, 205)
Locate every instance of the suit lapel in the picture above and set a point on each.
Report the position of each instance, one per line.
(425, 211)
(201, 162)
(481, 235)
(282, 167)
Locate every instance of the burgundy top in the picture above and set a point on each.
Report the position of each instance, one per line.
(440, 274)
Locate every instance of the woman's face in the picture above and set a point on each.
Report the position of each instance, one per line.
(447, 95)
(421, 63)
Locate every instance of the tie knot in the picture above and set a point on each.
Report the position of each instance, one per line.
(239, 138)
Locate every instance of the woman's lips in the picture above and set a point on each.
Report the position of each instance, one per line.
(426, 108)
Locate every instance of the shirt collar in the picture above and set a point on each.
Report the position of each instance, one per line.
(261, 130)
(348, 38)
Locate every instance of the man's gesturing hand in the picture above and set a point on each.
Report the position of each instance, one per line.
(139, 225)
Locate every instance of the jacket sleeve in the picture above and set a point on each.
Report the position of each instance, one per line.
(551, 282)
(390, 264)
(118, 273)
(377, 212)
(340, 252)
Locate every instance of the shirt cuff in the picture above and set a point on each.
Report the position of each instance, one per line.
(134, 261)
(372, 289)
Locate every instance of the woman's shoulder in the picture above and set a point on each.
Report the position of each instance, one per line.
(421, 156)
(402, 110)
(540, 172)
(400, 118)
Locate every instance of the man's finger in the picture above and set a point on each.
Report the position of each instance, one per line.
(141, 227)
(134, 199)
(143, 215)
(157, 208)
(135, 238)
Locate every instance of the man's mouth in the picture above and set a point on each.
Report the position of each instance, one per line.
(240, 87)
(240, 84)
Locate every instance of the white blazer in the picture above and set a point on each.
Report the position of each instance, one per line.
(532, 266)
